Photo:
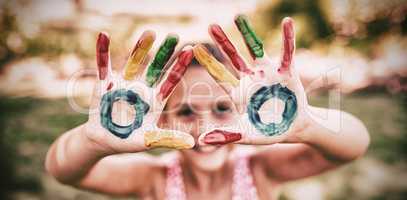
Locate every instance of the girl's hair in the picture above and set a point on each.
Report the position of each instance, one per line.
(212, 48)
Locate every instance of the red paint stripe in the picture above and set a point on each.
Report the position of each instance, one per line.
(110, 86)
(176, 73)
(102, 55)
(230, 50)
(288, 45)
(221, 137)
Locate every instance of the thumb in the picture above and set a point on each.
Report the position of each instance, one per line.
(168, 138)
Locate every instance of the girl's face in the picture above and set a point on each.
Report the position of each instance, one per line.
(197, 105)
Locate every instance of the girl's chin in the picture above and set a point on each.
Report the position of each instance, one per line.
(204, 150)
(209, 157)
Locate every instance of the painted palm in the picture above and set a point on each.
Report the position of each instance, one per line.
(260, 91)
(137, 96)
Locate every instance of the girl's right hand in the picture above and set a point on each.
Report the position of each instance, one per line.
(136, 98)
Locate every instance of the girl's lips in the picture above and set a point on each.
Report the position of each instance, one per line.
(221, 137)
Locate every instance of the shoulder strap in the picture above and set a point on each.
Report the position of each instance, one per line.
(174, 189)
(243, 185)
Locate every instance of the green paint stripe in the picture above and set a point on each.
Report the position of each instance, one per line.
(252, 41)
(160, 60)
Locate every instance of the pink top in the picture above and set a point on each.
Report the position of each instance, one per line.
(242, 189)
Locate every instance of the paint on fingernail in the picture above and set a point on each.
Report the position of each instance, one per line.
(138, 55)
(160, 60)
(102, 55)
(253, 42)
(176, 73)
(229, 49)
(109, 87)
(167, 139)
(288, 45)
(214, 67)
(221, 137)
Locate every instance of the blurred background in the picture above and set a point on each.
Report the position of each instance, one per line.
(45, 43)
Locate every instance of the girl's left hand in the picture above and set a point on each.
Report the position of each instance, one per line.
(252, 88)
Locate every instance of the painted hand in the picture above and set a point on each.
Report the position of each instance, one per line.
(136, 98)
(269, 96)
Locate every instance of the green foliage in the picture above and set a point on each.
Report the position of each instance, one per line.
(28, 127)
(317, 22)
(29, 123)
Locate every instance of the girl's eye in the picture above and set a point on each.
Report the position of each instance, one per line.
(185, 111)
(222, 108)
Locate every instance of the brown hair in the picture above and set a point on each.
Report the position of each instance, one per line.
(212, 48)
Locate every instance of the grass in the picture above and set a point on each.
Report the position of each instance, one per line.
(30, 125)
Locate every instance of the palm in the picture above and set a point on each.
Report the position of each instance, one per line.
(260, 122)
(125, 108)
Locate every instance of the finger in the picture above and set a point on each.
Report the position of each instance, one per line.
(161, 58)
(102, 56)
(137, 56)
(253, 43)
(228, 48)
(242, 135)
(169, 139)
(104, 71)
(288, 48)
(219, 136)
(175, 73)
(242, 131)
(216, 69)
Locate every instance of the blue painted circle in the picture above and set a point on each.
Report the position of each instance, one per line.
(106, 106)
(260, 97)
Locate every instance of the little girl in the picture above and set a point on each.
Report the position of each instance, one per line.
(203, 106)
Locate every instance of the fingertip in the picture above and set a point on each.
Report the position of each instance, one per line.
(168, 139)
(148, 37)
(173, 36)
(288, 27)
(102, 55)
(221, 137)
(199, 47)
(240, 17)
(217, 33)
(187, 48)
(201, 53)
(214, 27)
(186, 56)
(103, 42)
(149, 33)
(103, 34)
(288, 20)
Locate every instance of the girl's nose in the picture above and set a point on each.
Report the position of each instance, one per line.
(200, 125)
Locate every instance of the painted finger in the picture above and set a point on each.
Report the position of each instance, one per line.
(169, 139)
(102, 56)
(288, 48)
(253, 43)
(137, 56)
(161, 58)
(229, 49)
(175, 73)
(220, 136)
(241, 134)
(104, 71)
(216, 69)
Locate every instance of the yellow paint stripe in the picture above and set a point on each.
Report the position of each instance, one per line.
(214, 67)
(137, 57)
(168, 139)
